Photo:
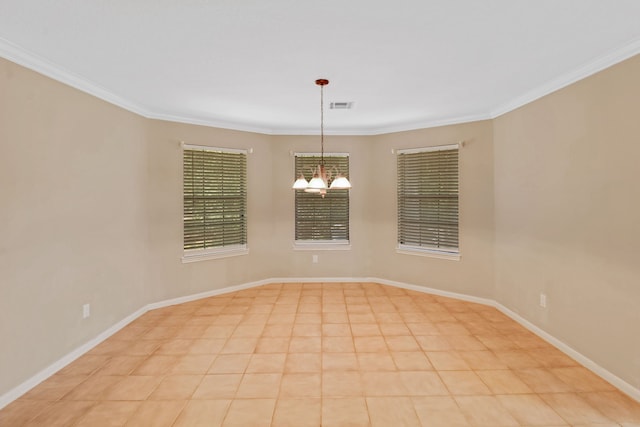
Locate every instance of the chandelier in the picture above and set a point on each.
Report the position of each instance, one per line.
(319, 182)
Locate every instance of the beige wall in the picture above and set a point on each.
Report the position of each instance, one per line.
(297, 263)
(568, 212)
(473, 273)
(91, 212)
(73, 219)
(168, 276)
(270, 213)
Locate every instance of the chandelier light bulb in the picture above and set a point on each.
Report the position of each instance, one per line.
(301, 183)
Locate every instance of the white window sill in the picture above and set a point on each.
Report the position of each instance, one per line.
(430, 253)
(318, 245)
(195, 256)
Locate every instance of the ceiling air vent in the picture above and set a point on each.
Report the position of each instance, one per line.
(341, 105)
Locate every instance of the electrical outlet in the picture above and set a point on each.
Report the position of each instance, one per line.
(86, 311)
(314, 259)
(543, 300)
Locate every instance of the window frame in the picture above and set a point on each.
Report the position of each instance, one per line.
(215, 252)
(448, 253)
(311, 244)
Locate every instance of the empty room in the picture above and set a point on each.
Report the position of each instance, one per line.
(339, 213)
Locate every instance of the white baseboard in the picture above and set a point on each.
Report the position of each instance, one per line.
(613, 379)
(201, 295)
(21, 389)
(319, 279)
(24, 387)
(433, 291)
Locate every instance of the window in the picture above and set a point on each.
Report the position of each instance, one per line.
(215, 202)
(318, 220)
(428, 201)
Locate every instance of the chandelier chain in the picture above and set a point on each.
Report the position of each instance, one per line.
(322, 125)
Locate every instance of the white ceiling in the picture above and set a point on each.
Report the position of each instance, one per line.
(251, 64)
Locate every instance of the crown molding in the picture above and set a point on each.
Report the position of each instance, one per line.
(293, 131)
(425, 124)
(221, 124)
(404, 127)
(25, 58)
(626, 51)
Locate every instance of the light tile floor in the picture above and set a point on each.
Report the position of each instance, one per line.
(353, 354)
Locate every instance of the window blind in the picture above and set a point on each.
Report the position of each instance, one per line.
(215, 199)
(317, 218)
(428, 199)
